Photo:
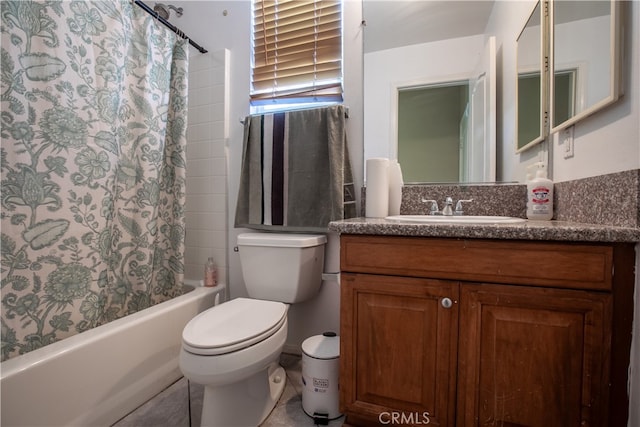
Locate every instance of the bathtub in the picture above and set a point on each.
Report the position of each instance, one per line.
(99, 376)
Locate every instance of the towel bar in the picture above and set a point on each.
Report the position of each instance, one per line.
(242, 120)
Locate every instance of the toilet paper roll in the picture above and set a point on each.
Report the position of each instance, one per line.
(395, 187)
(377, 197)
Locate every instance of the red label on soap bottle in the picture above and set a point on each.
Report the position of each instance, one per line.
(540, 195)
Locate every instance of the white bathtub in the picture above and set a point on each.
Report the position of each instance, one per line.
(97, 377)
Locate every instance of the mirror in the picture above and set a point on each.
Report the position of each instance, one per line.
(415, 52)
(584, 59)
(530, 85)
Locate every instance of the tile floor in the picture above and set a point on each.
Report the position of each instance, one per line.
(170, 408)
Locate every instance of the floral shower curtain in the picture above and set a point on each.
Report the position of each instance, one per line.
(93, 129)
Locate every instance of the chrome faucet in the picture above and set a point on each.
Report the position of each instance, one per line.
(448, 207)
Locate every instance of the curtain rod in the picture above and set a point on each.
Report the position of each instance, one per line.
(169, 25)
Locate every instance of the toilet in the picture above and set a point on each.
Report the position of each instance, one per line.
(233, 348)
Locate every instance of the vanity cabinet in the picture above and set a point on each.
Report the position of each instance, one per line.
(456, 332)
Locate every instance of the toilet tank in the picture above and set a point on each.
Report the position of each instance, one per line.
(282, 267)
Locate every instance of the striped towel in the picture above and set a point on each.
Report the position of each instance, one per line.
(296, 173)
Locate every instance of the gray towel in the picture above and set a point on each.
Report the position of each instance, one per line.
(296, 173)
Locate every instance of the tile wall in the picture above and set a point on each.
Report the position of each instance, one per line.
(207, 134)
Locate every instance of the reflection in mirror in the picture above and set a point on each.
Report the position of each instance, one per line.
(584, 59)
(413, 44)
(530, 87)
(564, 96)
(432, 132)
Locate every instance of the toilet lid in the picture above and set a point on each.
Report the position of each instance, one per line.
(233, 325)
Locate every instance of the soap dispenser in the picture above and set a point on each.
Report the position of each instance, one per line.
(540, 195)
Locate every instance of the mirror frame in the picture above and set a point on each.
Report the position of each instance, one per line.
(541, 6)
(615, 69)
(548, 88)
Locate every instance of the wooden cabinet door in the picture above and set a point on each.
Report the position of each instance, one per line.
(398, 350)
(532, 357)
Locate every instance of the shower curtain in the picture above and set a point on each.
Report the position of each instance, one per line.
(93, 129)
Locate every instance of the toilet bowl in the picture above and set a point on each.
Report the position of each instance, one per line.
(233, 348)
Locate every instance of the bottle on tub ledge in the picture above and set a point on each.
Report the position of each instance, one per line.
(210, 273)
(539, 194)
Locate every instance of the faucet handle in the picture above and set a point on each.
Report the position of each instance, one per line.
(434, 206)
(459, 210)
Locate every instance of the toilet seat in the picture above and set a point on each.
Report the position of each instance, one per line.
(232, 326)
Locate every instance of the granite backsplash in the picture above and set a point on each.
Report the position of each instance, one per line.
(612, 199)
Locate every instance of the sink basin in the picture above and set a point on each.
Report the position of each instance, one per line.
(470, 219)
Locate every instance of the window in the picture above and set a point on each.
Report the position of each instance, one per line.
(297, 53)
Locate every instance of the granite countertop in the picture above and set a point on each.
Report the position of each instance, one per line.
(529, 230)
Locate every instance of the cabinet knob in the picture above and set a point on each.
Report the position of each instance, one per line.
(446, 302)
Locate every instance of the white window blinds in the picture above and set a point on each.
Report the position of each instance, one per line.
(297, 51)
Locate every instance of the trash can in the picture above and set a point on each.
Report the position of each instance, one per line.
(320, 373)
